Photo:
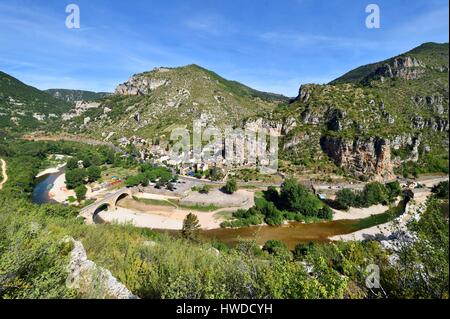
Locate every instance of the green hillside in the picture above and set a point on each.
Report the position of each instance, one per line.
(151, 103)
(386, 116)
(23, 107)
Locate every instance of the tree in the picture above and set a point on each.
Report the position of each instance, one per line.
(191, 227)
(80, 192)
(441, 189)
(325, 213)
(75, 177)
(393, 190)
(86, 161)
(272, 195)
(372, 194)
(93, 173)
(230, 186)
(72, 163)
(297, 198)
(345, 198)
(273, 215)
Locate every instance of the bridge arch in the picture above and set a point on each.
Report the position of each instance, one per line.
(100, 208)
(90, 212)
(121, 196)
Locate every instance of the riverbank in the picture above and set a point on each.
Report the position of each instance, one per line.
(50, 170)
(145, 215)
(359, 213)
(386, 229)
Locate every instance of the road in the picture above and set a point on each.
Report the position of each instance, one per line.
(5, 176)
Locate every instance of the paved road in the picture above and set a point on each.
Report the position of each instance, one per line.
(5, 176)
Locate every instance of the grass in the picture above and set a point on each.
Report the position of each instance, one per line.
(197, 207)
(157, 202)
(224, 215)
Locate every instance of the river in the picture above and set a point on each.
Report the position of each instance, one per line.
(43, 184)
(291, 233)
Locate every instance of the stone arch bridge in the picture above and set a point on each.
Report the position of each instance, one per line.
(108, 202)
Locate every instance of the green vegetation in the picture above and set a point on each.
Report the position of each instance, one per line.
(373, 193)
(214, 174)
(441, 190)
(76, 95)
(162, 176)
(33, 257)
(294, 202)
(80, 192)
(191, 227)
(19, 102)
(277, 248)
(231, 186)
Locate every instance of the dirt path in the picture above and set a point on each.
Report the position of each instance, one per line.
(5, 176)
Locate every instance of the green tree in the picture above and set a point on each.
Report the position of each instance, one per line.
(75, 177)
(295, 197)
(87, 161)
(373, 193)
(93, 173)
(441, 190)
(393, 190)
(191, 227)
(345, 198)
(80, 192)
(72, 163)
(231, 186)
(325, 213)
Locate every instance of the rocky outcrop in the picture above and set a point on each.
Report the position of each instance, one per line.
(90, 280)
(368, 157)
(436, 124)
(141, 84)
(404, 67)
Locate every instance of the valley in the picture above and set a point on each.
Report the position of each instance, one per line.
(184, 184)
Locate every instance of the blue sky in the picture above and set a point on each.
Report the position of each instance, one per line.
(269, 45)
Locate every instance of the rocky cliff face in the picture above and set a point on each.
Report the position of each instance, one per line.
(371, 157)
(404, 67)
(142, 84)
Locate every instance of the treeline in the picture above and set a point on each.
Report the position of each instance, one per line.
(294, 202)
(373, 193)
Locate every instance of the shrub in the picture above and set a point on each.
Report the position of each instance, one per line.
(393, 190)
(372, 194)
(231, 186)
(278, 249)
(80, 192)
(325, 213)
(345, 198)
(441, 190)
